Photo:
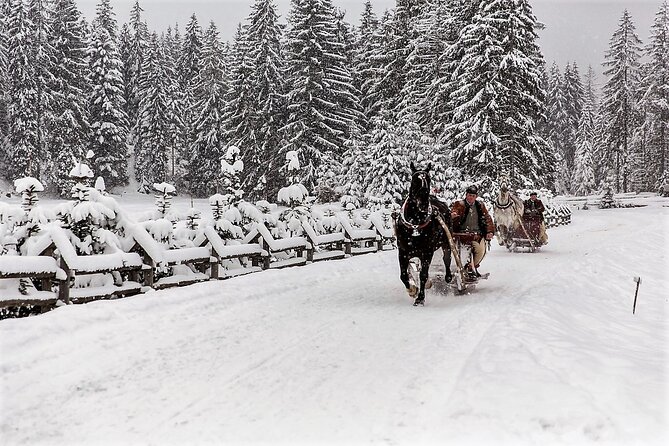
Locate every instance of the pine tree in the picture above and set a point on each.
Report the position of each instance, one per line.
(107, 118)
(584, 169)
(138, 35)
(573, 95)
(256, 111)
(655, 99)
(39, 14)
(189, 65)
(437, 104)
(323, 106)
(368, 61)
(69, 128)
(171, 43)
(209, 137)
(5, 11)
(22, 96)
(558, 127)
(622, 63)
(155, 119)
(498, 99)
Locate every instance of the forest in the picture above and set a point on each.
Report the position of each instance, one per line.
(461, 84)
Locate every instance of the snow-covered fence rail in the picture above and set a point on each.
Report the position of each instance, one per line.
(362, 240)
(324, 246)
(278, 247)
(226, 251)
(17, 274)
(177, 264)
(97, 276)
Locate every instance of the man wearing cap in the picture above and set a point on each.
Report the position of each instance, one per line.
(471, 216)
(534, 215)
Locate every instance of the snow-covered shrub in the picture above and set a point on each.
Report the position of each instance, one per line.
(164, 198)
(295, 197)
(344, 200)
(28, 224)
(220, 208)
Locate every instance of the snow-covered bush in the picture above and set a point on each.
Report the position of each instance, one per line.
(164, 198)
(221, 211)
(295, 197)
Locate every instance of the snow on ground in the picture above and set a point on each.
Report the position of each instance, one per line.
(546, 351)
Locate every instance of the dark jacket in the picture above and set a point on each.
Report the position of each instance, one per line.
(534, 210)
(459, 211)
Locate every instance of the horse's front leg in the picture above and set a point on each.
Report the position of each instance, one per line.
(424, 275)
(404, 269)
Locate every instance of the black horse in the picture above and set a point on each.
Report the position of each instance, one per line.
(419, 233)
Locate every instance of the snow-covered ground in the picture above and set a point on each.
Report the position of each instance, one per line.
(547, 351)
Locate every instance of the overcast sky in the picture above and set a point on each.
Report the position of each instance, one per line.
(577, 30)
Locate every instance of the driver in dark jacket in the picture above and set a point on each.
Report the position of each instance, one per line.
(471, 216)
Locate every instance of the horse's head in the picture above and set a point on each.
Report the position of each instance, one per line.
(420, 185)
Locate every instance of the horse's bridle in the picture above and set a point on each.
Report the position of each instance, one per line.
(416, 228)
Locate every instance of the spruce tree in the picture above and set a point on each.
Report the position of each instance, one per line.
(368, 61)
(209, 134)
(69, 127)
(256, 108)
(4, 62)
(153, 135)
(138, 35)
(42, 54)
(498, 99)
(189, 65)
(323, 104)
(22, 96)
(107, 119)
(584, 169)
(558, 127)
(655, 98)
(622, 68)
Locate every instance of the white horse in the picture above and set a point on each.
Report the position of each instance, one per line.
(508, 210)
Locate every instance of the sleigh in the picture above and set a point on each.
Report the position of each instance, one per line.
(526, 235)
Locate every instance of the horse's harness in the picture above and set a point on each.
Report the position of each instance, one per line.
(503, 206)
(416, 228)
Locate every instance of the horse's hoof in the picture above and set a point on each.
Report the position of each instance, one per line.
(428, 284)
(418, 302)
(412, 290)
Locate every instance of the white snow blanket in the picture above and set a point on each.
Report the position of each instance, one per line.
(545, 352)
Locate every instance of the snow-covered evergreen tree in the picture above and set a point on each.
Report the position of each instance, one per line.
(68, 127)
(323, 103)
(207, 148)
(23, 113)
(584, 172)
(558, 127)
(655, 100)
(573, 95)
(437, 104)
(153, 131)
(189, 65)
(107, 119)
(171, 43)
(42, 58)
(368, 61)
(619, 104)
(5, 11)
(138, 35)
(259, 126)
(498, 99)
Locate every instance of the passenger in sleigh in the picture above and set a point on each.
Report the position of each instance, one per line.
(533, 219)
(473, 225)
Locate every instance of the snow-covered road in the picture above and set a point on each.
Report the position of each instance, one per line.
(546, 351)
